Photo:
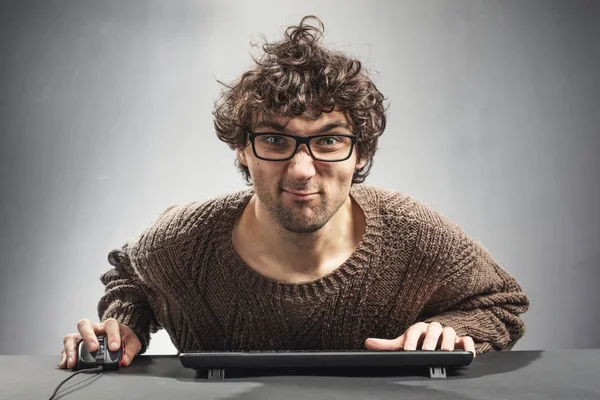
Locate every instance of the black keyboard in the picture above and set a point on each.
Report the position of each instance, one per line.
(266, 359)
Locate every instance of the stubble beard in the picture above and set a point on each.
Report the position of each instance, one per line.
(295, 219)
(301, 217)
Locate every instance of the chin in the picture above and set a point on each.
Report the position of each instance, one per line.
(301, 222)
(302, 229)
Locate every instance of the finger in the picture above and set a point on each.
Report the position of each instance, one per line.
(448, 338)
(468, 344)
(63, 359)
(385, 344)
(111, 327)
(69, 352)
(88, 332)
(70, 349)
(132, 347)
(414, 334)
(434, 330)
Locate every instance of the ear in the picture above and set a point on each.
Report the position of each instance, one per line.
(360, 163)
(241, 156)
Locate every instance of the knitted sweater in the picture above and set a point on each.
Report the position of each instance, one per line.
(412, 264)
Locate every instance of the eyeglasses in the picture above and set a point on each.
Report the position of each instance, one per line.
(282, 147)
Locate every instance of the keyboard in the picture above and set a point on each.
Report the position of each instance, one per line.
(217, 361)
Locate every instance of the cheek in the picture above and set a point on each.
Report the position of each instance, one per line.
(254, 168)
(336, 178)
(262, 173)
(347, 172)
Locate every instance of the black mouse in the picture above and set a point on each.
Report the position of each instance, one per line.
(102, 357)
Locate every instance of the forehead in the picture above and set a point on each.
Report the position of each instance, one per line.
(302, 122)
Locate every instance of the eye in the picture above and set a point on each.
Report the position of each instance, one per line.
(328, 141)
(273, 139)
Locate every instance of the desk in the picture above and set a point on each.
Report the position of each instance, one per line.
(560, 374)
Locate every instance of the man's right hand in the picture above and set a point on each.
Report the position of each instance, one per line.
(88, 332)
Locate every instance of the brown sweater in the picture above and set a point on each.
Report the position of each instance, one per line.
(412, 265)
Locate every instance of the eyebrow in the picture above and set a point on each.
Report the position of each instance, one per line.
(325, 128)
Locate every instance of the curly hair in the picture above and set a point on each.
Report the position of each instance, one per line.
(298, 76)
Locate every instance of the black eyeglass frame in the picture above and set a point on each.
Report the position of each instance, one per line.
(301, 140)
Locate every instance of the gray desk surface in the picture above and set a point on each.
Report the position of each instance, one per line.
(560, 374)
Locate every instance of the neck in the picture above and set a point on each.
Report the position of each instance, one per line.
(301, 256)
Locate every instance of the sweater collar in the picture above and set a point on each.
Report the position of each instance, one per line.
(365, 256)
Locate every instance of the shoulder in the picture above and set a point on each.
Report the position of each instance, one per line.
(414, 227)
(400, 212)
(180, 223)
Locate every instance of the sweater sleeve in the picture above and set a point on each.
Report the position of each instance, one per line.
(126, 298)
(479, 299)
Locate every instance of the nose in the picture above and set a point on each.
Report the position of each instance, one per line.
(301, 166)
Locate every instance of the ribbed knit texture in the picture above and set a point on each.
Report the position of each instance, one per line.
(412, 265)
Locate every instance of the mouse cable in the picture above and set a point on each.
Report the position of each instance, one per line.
(87, 371)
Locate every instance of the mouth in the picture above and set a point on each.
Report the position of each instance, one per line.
(299, 195)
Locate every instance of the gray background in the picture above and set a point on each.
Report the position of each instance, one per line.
(105, 119)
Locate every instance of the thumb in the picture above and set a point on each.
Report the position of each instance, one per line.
(385, 344)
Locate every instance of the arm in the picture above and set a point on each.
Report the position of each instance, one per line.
(126, 298)
(479, 299)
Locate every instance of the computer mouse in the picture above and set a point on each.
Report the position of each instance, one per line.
(102, 357)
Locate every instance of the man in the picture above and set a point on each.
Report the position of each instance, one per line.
(308, 257)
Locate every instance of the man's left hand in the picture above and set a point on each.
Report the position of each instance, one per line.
(432, 336)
